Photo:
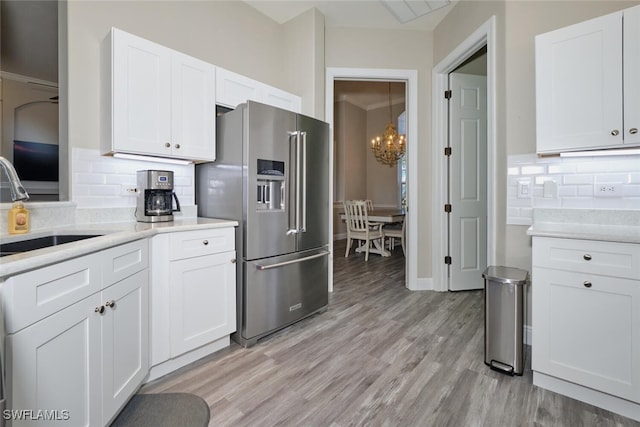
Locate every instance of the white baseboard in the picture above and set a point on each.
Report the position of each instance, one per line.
(423, 284)
(339, 236)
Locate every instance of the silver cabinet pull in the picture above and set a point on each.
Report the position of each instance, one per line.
(99, 309)
(110, 303)
(615, 132)
(233, 261)
(205, 242)
(587, 257)
(633, 131)
(177, 145)
(587, 284)
(167, 144)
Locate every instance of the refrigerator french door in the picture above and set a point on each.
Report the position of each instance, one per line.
(272, 175)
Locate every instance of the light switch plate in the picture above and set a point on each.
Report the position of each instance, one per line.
(524, 189)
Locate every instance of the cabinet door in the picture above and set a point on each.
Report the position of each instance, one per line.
(193, 117)
(141, 91)
(585, 330)
(281, 99)
(631, 75)
(233, 89)
(125, 346)
(579, 86)
(203, 295)
(55, 365)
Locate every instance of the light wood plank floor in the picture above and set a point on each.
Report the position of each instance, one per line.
(380, 355)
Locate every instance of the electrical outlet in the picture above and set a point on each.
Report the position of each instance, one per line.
(608, 190)
(129, 191)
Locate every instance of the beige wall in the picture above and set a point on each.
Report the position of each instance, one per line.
(382, 180)
(304, 47)
(365, 48)
(517, 24)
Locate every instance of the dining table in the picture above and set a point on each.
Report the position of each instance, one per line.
(385, 216)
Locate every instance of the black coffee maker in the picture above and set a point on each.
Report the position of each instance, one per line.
(156, 196)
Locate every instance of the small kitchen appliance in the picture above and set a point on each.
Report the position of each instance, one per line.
(156, 196)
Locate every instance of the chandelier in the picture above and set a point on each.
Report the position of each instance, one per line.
(390, 147)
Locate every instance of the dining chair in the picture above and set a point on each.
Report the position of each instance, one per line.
(394, 233)
(369, 205)
(359, 227)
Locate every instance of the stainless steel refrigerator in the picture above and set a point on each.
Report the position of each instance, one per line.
(271, 174)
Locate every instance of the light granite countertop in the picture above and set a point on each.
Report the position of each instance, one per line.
(587, 224)
(112, 234)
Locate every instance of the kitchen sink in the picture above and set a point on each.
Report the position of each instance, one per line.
(41, 242)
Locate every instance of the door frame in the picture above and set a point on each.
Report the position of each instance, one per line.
(410, 77)
(483, 35)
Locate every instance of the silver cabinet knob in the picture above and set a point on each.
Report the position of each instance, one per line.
(587, 257)
(587, 284)
(177, 145)
(633, 131)
(167, 144)
(233, 261)
(110, 303)
(99, 309)
(205, 242)
(615, 132)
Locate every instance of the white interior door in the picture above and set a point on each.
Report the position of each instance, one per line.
(467, 181)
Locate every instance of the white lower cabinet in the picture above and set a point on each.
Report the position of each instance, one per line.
(586, 315)
(193, 296)
(125, 341)
(81, 364)
(55, 365)
(202, 293)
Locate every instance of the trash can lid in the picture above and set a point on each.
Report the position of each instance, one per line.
(506, 275)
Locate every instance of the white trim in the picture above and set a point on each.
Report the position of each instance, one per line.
(485, 34)
(43, 84)
(411, 78)
(424, 284)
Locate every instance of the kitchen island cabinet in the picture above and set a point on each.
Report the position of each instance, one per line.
(585, 320)
(587, 86)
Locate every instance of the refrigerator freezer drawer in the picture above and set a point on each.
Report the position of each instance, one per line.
(281, 290)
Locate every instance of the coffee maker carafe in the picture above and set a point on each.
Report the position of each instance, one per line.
(156, 196)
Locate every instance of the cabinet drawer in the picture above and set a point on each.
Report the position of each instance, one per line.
(122, 261)
(34, 295)
(188, 244)
(588, 256)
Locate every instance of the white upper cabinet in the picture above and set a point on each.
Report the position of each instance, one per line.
(233, 89)
(631, 55)
(587, 88)
(162, 101)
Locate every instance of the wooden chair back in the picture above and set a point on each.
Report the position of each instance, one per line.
(356, 213)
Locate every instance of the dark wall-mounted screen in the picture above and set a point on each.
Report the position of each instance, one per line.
(35, 161)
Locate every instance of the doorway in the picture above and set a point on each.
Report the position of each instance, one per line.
(481, 37)
(410, 77)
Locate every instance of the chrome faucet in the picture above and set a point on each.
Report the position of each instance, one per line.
(17, 190)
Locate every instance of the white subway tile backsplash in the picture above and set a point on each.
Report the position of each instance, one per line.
(576, 178)
(103, 181)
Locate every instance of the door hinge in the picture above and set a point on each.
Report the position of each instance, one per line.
(447, 151)
(447, 260)
(447, 208)
(448, 94)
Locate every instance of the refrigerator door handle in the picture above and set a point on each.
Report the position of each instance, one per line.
(293, 261)
(302, 206)
(293, 184)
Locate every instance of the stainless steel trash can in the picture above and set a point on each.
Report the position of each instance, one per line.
(504, 318)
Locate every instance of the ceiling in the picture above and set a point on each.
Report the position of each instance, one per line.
(361, 13)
